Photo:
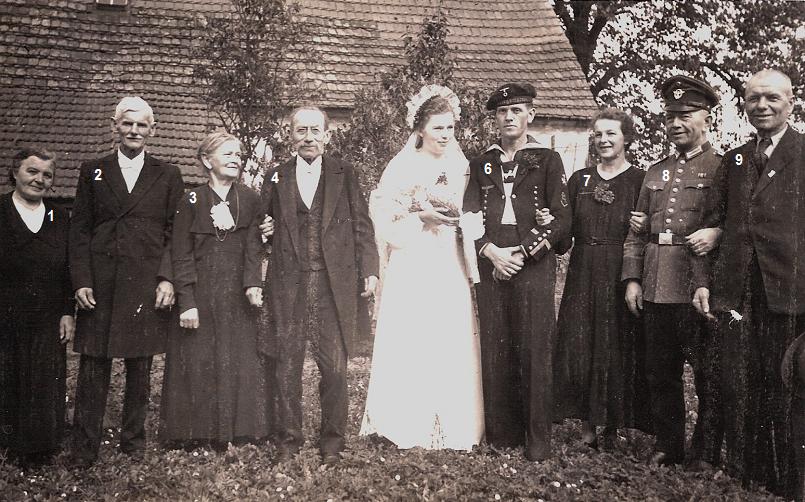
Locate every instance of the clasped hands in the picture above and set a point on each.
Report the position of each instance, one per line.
(189, 318)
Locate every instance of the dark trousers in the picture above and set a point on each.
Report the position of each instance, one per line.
(92, 389)
(675, 333)
(759, 409)
(517, 320)
(317, 323)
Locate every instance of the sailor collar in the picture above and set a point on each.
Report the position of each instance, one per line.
(696, 151)
(531, 143)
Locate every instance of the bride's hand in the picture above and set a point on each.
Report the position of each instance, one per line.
(433, 217)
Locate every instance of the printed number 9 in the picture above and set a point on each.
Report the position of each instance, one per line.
(488, 168)
(739, 159)
(666, 175)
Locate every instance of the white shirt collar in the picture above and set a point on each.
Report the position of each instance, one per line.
(775, 140)
(127, 163)
(312, 168)
(33, 218)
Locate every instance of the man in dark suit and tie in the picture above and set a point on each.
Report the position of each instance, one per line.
(121, 270)
(756, 293)
(323, 260)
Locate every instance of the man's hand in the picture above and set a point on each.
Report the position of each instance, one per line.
(498, 276)
(701, 302)
(704, 240)
(165, 297)
(66, 328)
(634, 297)
(255, 296)
(638, 222)
(267, 227)
(544, 217)
(369, 286)
(507, 261)
(85, 298)
(189, 319)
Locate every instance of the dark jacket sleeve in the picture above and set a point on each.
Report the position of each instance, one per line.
(81, 229)
(472, 198)
(361, 226)
(182, 254)
(267, 195)
(713, 217)
(176, 192)
(253, 251)
(68, 304)
(634, 247)
(557, 201)
(573, 186)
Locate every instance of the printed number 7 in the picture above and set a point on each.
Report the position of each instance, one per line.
(586, 179)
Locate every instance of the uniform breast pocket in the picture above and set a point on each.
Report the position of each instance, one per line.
(657, 196)
(694, 194)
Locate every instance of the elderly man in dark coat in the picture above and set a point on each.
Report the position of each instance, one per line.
(323, 260)
(757, 287)
(121, 271)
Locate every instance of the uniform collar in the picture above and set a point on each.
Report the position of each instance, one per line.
(530, 143)
(696, 151)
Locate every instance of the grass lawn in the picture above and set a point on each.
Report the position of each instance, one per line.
(368, 471)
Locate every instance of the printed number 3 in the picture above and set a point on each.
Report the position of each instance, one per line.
(739, 159)
(586, 179)
(666, 175)
(192, 197)
(488, 168)
(97, 175)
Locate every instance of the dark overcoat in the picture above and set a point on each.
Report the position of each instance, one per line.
(348, 245)
(120, 247)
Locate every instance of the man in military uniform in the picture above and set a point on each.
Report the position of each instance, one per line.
(510, 184)
(664, 264)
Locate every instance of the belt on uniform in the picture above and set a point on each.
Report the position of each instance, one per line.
(667, 239)
(596, 241)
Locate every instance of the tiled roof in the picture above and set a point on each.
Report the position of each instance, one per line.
(65, 63)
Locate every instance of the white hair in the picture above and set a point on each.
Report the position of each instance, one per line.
(133, 104)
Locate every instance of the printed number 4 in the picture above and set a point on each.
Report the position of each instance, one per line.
(666, 175)
(98, 175)
(586, 179)
(275, 177)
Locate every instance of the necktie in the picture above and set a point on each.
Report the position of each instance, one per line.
(760, 154)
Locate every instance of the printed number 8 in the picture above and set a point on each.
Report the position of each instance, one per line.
(488, 168)
(666, 175)
(739, 159)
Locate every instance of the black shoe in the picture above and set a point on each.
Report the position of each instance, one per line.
(591, 444)
(538, 454)
(330, 458)
(662, 458)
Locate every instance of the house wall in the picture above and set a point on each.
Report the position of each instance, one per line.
(568, 137)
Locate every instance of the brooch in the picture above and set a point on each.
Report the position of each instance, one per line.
(603, 194)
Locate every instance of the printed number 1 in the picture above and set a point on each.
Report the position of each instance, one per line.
(97, 175)
(586, 179)
(666, 175)
(50, 214)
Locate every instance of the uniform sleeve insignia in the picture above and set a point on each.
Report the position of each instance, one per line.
(563, 199)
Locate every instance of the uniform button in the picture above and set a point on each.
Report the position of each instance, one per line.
(670, 210)
(514, 196)
(681, 161)
(680, 171)
(680, 220)
(667, 230)
(549, 230)
(674, 189)
(673, 199)
(677, 180)
(502, 196)
(667, 220)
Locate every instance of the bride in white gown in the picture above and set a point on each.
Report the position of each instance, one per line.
(425, 382)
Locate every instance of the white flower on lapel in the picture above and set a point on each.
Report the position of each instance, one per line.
(221, 216)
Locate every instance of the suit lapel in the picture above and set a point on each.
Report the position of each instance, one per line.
(780, 158)
(333, 173)
(149, 174)
(286, 191)
(111, 175)
(523, 169)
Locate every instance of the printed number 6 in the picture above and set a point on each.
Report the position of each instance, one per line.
(97, 175)
(192, 197)
(666, 175)
(488, 168)
(739, 159)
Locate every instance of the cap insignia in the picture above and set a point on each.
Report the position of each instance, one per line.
(678, 93)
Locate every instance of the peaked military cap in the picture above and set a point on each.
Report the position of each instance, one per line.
(684, 94)
(511, 94)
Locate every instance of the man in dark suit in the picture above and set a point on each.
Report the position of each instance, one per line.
(323, 259)
(511, 184)
(661, 268)
(756, 293)
(121, 269)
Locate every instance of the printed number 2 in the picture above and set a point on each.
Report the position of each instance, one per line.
(586, 179)
(739, 159)
(488, 168)
(666, 175)
(97, 175)
(50, 214)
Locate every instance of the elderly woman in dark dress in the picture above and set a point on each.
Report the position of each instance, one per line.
(598, 358)
(36, 311)
(215, 389)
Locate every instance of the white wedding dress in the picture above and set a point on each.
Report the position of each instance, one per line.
(425, 381)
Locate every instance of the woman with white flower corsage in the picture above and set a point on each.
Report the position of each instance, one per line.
(599, 353)
(215, 389)
(425, 381)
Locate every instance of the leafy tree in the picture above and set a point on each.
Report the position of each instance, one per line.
(627, 48)
(245, 68)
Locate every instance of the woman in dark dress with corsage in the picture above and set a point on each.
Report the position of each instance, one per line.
(599, 350)
(215, 390)
(36, 312)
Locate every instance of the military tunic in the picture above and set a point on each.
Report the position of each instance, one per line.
(517, 316)
(676, 196)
